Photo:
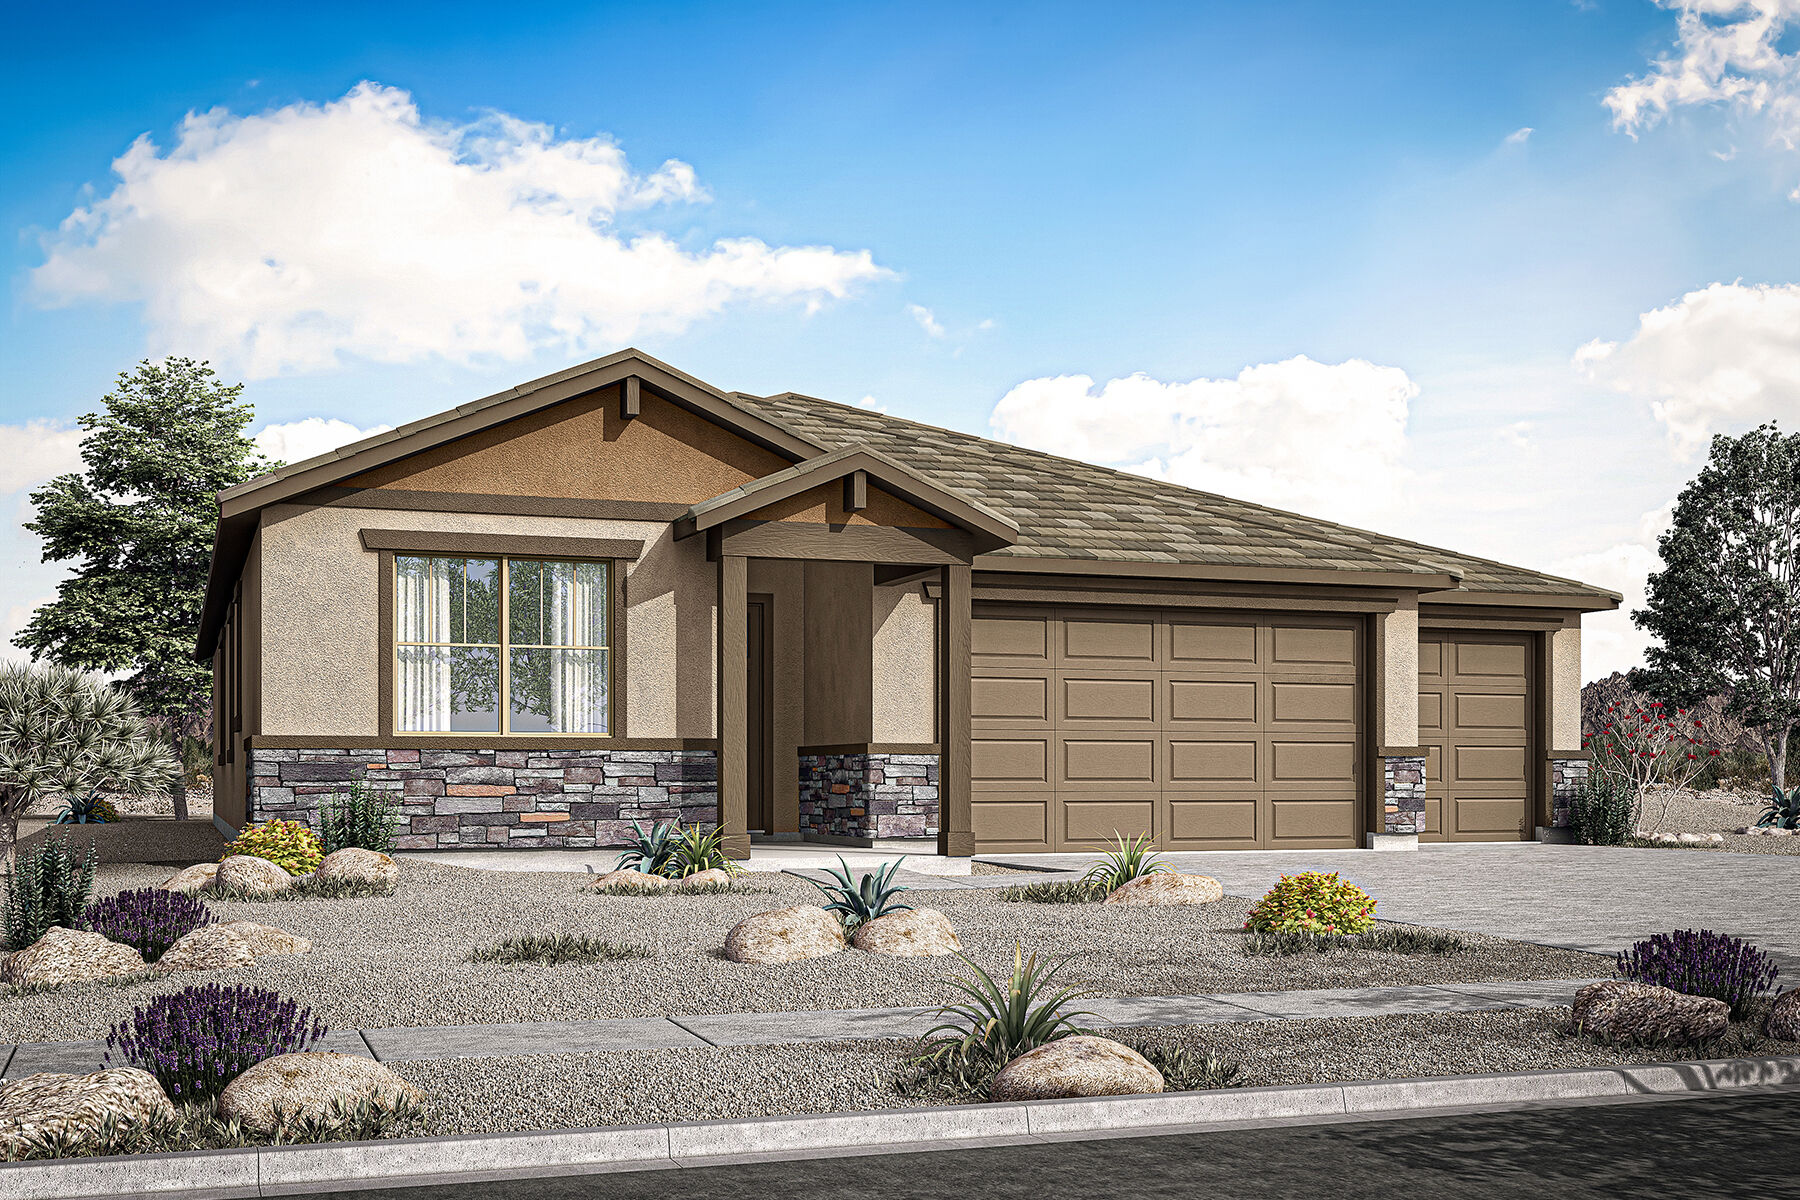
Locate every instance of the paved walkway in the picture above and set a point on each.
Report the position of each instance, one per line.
(767, 1029)
(1598, 898)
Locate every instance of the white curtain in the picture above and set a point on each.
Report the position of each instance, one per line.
(575, 612)
(422, 590)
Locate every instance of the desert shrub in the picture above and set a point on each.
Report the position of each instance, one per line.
(1738, 768)
(197, 1040)
(199, 1127)
(1055, 891)
(1125, 862)
(998, 1021)
(1699, 962)
(555, 948)
(1313, 902)
(290, 845)
(306, 887)
(698, 850)
(364, 817)
(1389, 939)
(47, 886)
(1188, 1070)
(652, 850)
(1604, 811)
(149, 920)
(859, 902)
(90, 809)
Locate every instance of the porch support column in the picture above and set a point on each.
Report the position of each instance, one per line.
(956, 834)
(734, 700)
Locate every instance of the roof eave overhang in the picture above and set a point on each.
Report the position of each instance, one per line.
(1594, 601)
(1420, 581)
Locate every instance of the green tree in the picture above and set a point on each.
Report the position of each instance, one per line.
(1726, 605)
(138, 523)
(64, 734)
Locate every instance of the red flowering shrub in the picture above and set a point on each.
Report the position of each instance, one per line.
(1313, 902)
(1649, 744)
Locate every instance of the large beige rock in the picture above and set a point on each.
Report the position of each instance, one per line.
(208, 948)
(631, 881)
(359, 865)
(785, 935)
(910, 933)
(1617, 1010)
(1784, 1017)
(266, 939)
(191, 879)
(71, 956)
(1082, 1065)
(51, 1104)
(700, 879)
(1167, 887)
(313, 1083)
(247, 873)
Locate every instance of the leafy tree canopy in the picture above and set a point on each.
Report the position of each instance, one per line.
(138, 523)
(1726, 605)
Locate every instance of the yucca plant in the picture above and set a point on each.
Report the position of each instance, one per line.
(857, 903)
(1783, 810)
(64, 734)
(698, 850)
(651, 851)
(1126, 861)
(1000, 1021)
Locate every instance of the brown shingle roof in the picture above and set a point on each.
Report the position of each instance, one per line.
(1070, 509)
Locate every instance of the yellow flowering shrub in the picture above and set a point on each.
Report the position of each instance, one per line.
(290, 845)
(1313, 902)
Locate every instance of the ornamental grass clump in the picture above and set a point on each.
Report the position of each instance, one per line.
(1126, 861)
(290, 845)
(149, 920)
(1699, 962)
(197, 1040)
(1313, 902)
(555, 948)
(48, 885)
(1002, 1020)
(698, 850)
(1055, 891)
(364, 818)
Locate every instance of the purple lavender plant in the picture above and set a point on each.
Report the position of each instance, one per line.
(1701, 963)
(149, 920)
(199, 1039)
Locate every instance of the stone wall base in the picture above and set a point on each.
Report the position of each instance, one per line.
(469, 799)
(1403, 800)
(866, 796)
(1567, 777)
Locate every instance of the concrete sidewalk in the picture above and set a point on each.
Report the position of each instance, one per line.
(868, 1024)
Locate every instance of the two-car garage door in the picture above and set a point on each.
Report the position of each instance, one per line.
(1207, 731)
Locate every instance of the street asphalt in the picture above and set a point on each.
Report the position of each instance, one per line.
(1733, 1146)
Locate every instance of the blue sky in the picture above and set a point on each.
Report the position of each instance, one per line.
(976, 216)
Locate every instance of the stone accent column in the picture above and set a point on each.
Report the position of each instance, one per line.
(868, 796)
(1403, 794)
(1567, 777)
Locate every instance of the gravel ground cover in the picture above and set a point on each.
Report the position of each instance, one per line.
(1679, 810)
(404, 960)
(483, 1095)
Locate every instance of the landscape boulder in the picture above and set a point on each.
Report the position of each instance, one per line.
(317, 1084)
(1784, 1017)
(266, 939)
(1167, 887)
(208, 948)
(629, 880)
(191, 879)
(910, 933)
(785, 935)
(254, 876)
(1082, 1065)
(70, 956)
(53, 1104)
(1643, 1013)
(700, 879)
(360, 866)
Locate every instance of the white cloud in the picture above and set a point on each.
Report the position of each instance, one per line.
(1609, 641)
(1324, 438)
(1726, 52)
(1724, 357)
(294, 238)
(37, 451)
(926, 320)
(1517, 137)
(296, 441)
(872, 404)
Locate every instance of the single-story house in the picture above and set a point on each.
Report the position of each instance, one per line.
(618, 594)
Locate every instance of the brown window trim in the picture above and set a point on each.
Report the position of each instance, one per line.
(384, 692)
(495, 545)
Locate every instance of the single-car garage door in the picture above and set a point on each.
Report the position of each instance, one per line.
(1207, 731)
(1474, 724)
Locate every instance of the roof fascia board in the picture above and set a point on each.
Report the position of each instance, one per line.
(1594, 601)
(1422, 581)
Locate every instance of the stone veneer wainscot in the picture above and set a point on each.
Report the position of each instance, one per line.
(870, 795)
(489, 798)
(1567, 776)
(1403, 802)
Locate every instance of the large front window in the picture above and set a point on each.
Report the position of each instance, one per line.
(501, 645)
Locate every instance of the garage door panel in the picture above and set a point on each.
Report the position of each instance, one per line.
(1212, 701)
(1208, 822)
(1325, 821)
(1098, 820)
(1434, 765)
(1490, 815)
(1486, 764)
(1501, 660)
(1475, 725)
(1117, 700)
(1011, 824)
(1021, 760)
(1011, 699)
(1431, 659)
(1476, 711)
(1308, 762)
(1115, 761)
(1016, 638)
(1431, 712)
(1094, 640)
(1313, 703)
(1213, 645)
(1194, 762)
(1312, 645)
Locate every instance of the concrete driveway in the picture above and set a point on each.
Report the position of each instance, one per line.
(1587, 897)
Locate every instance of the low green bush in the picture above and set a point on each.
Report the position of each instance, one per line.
(290, 845)
(46, 885)
(555, 948)
(1388, 939)
(1057, 891)
(1604, 811)
(1313, 902)
(307, 887)
(364, 817)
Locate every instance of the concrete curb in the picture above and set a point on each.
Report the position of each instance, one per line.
(294, 1170)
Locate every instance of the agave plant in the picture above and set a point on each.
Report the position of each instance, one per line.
(697, 850)
(1000, 1021)
(859, 902)
(91, 809)
(652, 851)
(1783, 811)
(1126, 861)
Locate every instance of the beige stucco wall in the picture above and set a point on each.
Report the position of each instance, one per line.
(320, 610)
(905, 665)
(1565, 689)
(1398, 714)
